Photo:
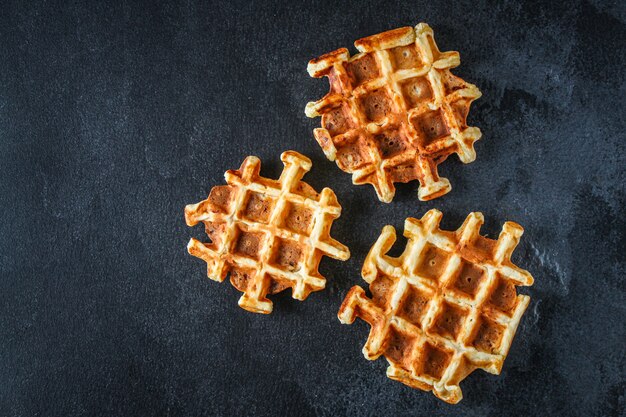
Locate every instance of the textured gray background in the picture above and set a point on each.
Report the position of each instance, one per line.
(114, 116)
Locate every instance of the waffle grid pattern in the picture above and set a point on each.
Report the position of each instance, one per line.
(269, 234)
(394, 111)
(446, 306)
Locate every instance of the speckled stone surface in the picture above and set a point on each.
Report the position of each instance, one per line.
(113, 117)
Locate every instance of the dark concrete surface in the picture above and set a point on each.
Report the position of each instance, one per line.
(113, 116)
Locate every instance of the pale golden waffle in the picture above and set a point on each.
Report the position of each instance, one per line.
(269, 234)
(446, 306)
(394, 111)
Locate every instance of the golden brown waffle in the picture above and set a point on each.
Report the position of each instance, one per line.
(269, 234)
(446, 306)
(394, 111)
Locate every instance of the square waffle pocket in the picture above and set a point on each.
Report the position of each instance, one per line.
(269, 234)
(446, 306)
(394, 111)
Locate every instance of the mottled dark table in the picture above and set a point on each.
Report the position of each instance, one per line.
(114, 116)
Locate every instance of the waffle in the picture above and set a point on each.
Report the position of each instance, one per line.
(394, 111)
(269, 234)
(446, 306)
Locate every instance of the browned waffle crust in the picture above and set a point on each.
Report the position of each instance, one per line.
(394, 111)
(446, 306)
(269, 234)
